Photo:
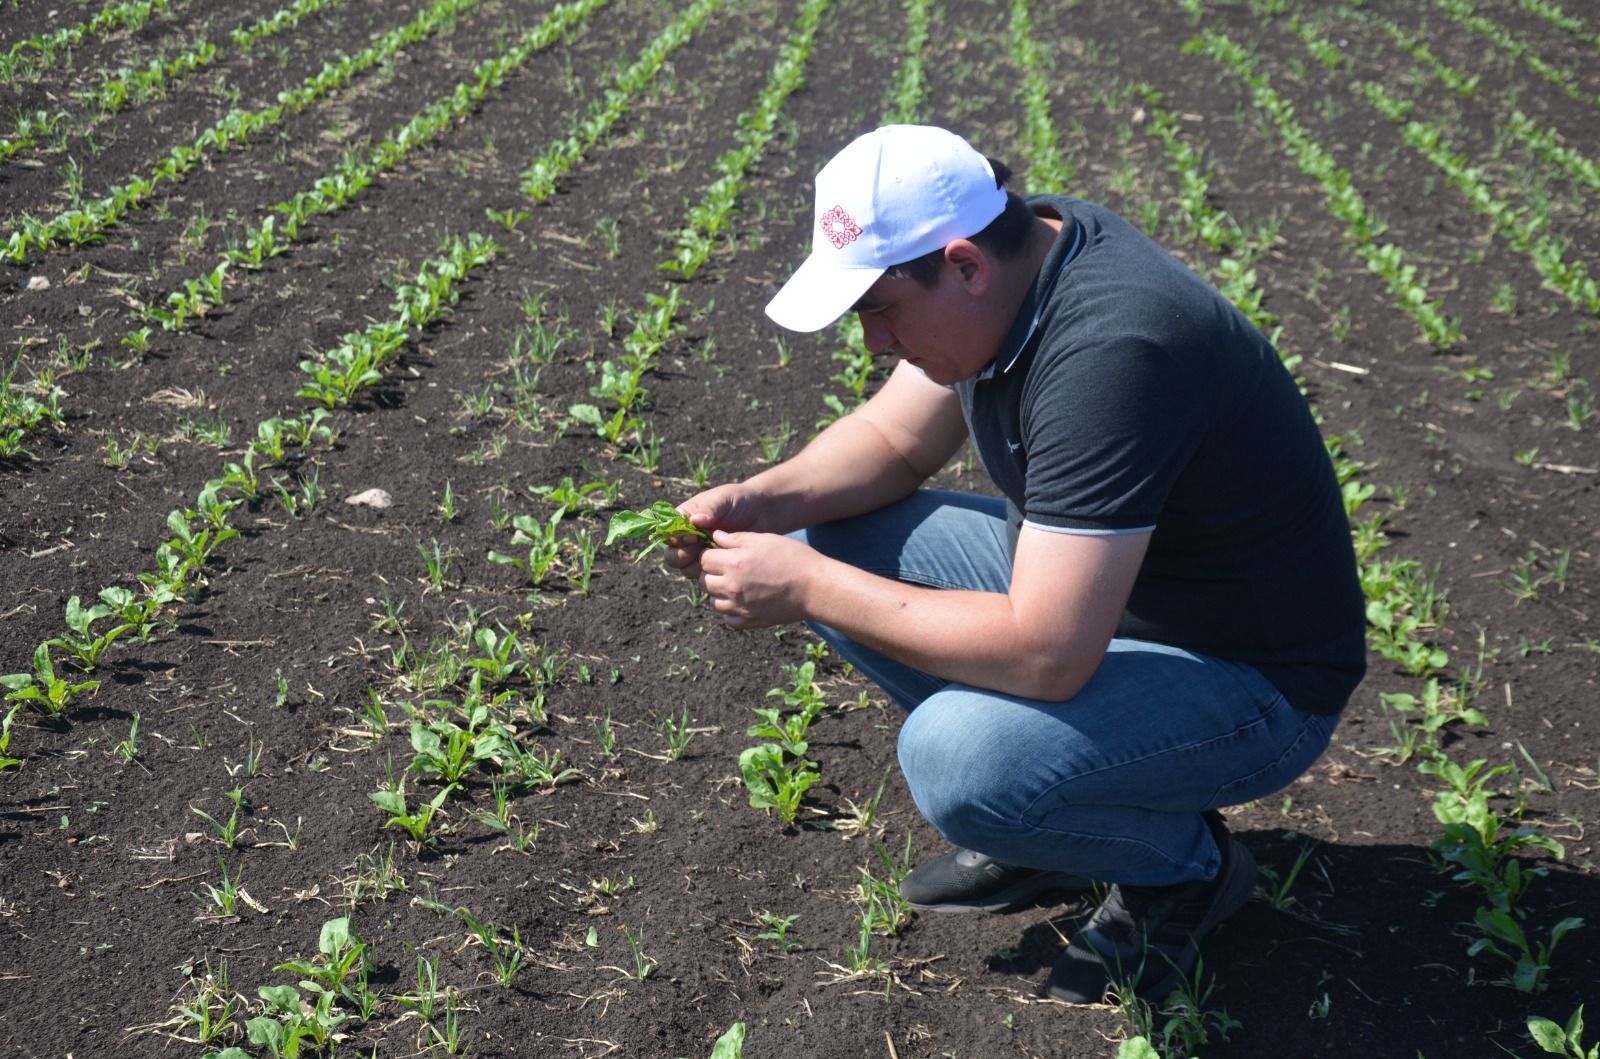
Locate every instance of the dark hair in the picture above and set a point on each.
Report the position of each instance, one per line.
(1004, 237)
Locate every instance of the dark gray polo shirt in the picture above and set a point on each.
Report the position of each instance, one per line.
(1130, 397)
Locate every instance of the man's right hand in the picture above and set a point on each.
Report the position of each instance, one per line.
(735, 507)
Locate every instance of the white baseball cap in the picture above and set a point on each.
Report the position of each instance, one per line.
(892, 195)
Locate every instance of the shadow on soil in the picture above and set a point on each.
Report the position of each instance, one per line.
(1367, 955)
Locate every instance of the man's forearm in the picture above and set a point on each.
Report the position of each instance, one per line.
(848, 469)
(974, 638)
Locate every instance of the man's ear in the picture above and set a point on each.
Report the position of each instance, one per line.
(972, 266)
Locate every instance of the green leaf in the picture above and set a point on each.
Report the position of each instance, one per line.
(758, 765)
(1559, 931)
(731, 1044)
(392, 802)
(335, 935)
(1137, 1048)
(1547, 1035)
(265, 1031)
(627, 524)
(285, 998)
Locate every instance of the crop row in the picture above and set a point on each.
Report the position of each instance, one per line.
(154, 80)
(479, 729)
(540, 177)
(358, 169)
(1554, 14)
(621, 382)
(1544, 141)
(25, 59)
(1047, 169)
(1363, 227)
(1525, 228)
(84, 223)
(1464, 12)
(179, 563)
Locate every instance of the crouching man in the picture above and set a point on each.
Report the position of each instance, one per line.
(1159, 619)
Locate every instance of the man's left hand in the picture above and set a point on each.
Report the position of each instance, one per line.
(757, 580)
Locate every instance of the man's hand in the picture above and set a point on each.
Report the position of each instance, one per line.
(757, 580)
(735, 507)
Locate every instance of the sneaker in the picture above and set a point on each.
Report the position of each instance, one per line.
(965, 881)
(1149, 936)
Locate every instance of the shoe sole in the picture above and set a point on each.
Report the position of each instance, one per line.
(1017, 896)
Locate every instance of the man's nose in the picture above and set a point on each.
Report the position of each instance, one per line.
(875, 334)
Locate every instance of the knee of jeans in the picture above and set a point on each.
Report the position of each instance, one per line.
(822, 540)
(954, 779)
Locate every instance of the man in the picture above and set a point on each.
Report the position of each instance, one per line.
(1160, 619)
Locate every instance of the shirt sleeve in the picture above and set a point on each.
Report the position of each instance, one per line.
(1109, 431)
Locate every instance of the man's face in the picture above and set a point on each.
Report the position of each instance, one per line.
(931, 327)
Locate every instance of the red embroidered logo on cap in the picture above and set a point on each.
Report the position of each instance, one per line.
(839, 228)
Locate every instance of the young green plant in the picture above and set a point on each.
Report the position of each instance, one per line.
(658, 524)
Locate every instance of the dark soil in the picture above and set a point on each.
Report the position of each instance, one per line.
(101, 858)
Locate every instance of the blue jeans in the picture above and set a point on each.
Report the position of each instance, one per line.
(1109, 784)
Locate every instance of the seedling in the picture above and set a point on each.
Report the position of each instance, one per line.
(569, 497)
(1278, 886)
(508, 955)
(1505, 937)
(43, 687)
(502, 656)
(543, 544)
(341, 957)
(447, 509)
(425, 1001)
(774, 444)
(448, 752)
(1564, 1041)
(581, 570)
(1186, 1022)
(83, 647)
(658, 524)
(221, 900)
(777, 931)
(226, 831)
(889, 910)
(208, 1011)
(128, 749)
(860, 818)
(436, 561)
(5, 739)
(414, 823)
(1435, 708)
(290, 1021)
(803, 695)
(536, 767)
(507, 219)
(643, 965)
(448, 1035)
(776, 783)
(605, 734)
(676, 732)
(373, 877)
(731, 1044)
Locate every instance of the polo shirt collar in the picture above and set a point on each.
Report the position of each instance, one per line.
(1065, 248)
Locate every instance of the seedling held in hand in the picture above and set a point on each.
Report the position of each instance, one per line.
(658, 523)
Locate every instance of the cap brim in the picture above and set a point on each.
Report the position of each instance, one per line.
(818, 294)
